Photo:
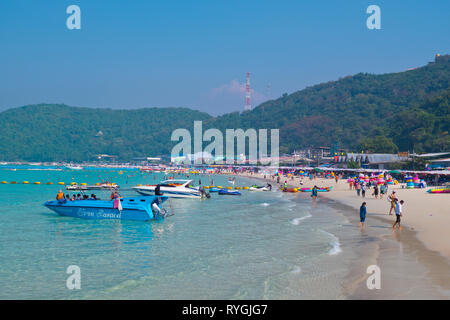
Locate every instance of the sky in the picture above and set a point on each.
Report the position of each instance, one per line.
(195, 53)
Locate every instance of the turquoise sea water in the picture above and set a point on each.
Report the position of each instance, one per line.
(261, 245)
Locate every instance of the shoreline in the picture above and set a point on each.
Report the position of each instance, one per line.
(414, 262)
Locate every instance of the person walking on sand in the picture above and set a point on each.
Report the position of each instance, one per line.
(362, 216)
(375, 191)
(358, 189)
(398, 213)
(382, 191)
(363, 190)
(392, 198)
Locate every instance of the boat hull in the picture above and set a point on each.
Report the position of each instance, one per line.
(169, 193)
(229, 193)
(136, 208)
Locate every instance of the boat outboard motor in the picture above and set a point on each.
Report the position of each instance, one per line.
(156, 209)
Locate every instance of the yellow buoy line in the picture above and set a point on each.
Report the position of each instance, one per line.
(97, 184)
(49, 183)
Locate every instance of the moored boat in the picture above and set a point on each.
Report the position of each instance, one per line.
(102, 186)
(132, 208)
(175, 188)
(229, 192)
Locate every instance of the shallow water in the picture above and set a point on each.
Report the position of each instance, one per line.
(261, 245)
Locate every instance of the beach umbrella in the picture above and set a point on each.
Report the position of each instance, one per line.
(393, 171)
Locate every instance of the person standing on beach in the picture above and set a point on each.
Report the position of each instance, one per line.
(336, 178)
(314, 193)
(362, 216)
(382, 191)
(393, 199)
(398, 213)
(375, 191)
(358, 189)
(363, 190)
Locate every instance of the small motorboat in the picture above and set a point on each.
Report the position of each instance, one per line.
(259, 188)
(229, 192)
(74, 167)
(175, 188)
(327, 189)
(132, 208)
(102, 186)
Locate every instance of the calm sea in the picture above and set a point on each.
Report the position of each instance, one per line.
(261, 245)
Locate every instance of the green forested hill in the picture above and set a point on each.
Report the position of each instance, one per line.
(381, 113)
(407, 110)
(60, 132)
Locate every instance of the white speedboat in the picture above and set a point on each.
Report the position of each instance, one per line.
(74, 167)
(175, 188)
(258, 188)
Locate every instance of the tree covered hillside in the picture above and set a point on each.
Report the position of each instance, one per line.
(379, 113)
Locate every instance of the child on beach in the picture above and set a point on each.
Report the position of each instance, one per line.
(398, 213)
(362, 215)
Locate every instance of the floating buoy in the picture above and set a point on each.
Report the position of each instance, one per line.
(13, 182)
(49, 183)
(206, 187)
(73, 183)
(61, 183)
(37, 182)
(25, 182)
(84, 184)
(245, 188)
(229, 188)
(237, 188)
(220, 187)
(3, 182)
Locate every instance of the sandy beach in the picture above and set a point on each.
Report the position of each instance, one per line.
(415, 260)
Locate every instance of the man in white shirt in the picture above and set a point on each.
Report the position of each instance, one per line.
(398, 213)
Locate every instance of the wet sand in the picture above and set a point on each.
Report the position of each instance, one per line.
(414, 261)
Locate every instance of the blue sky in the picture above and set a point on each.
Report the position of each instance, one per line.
(132, 54)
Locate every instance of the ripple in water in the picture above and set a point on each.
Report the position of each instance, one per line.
(297, 269)
(335, 245)
(296, 221)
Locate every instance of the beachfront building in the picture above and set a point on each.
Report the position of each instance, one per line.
(372, 160)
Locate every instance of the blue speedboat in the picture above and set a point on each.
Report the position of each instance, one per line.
(229, 192)
(142, 208)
